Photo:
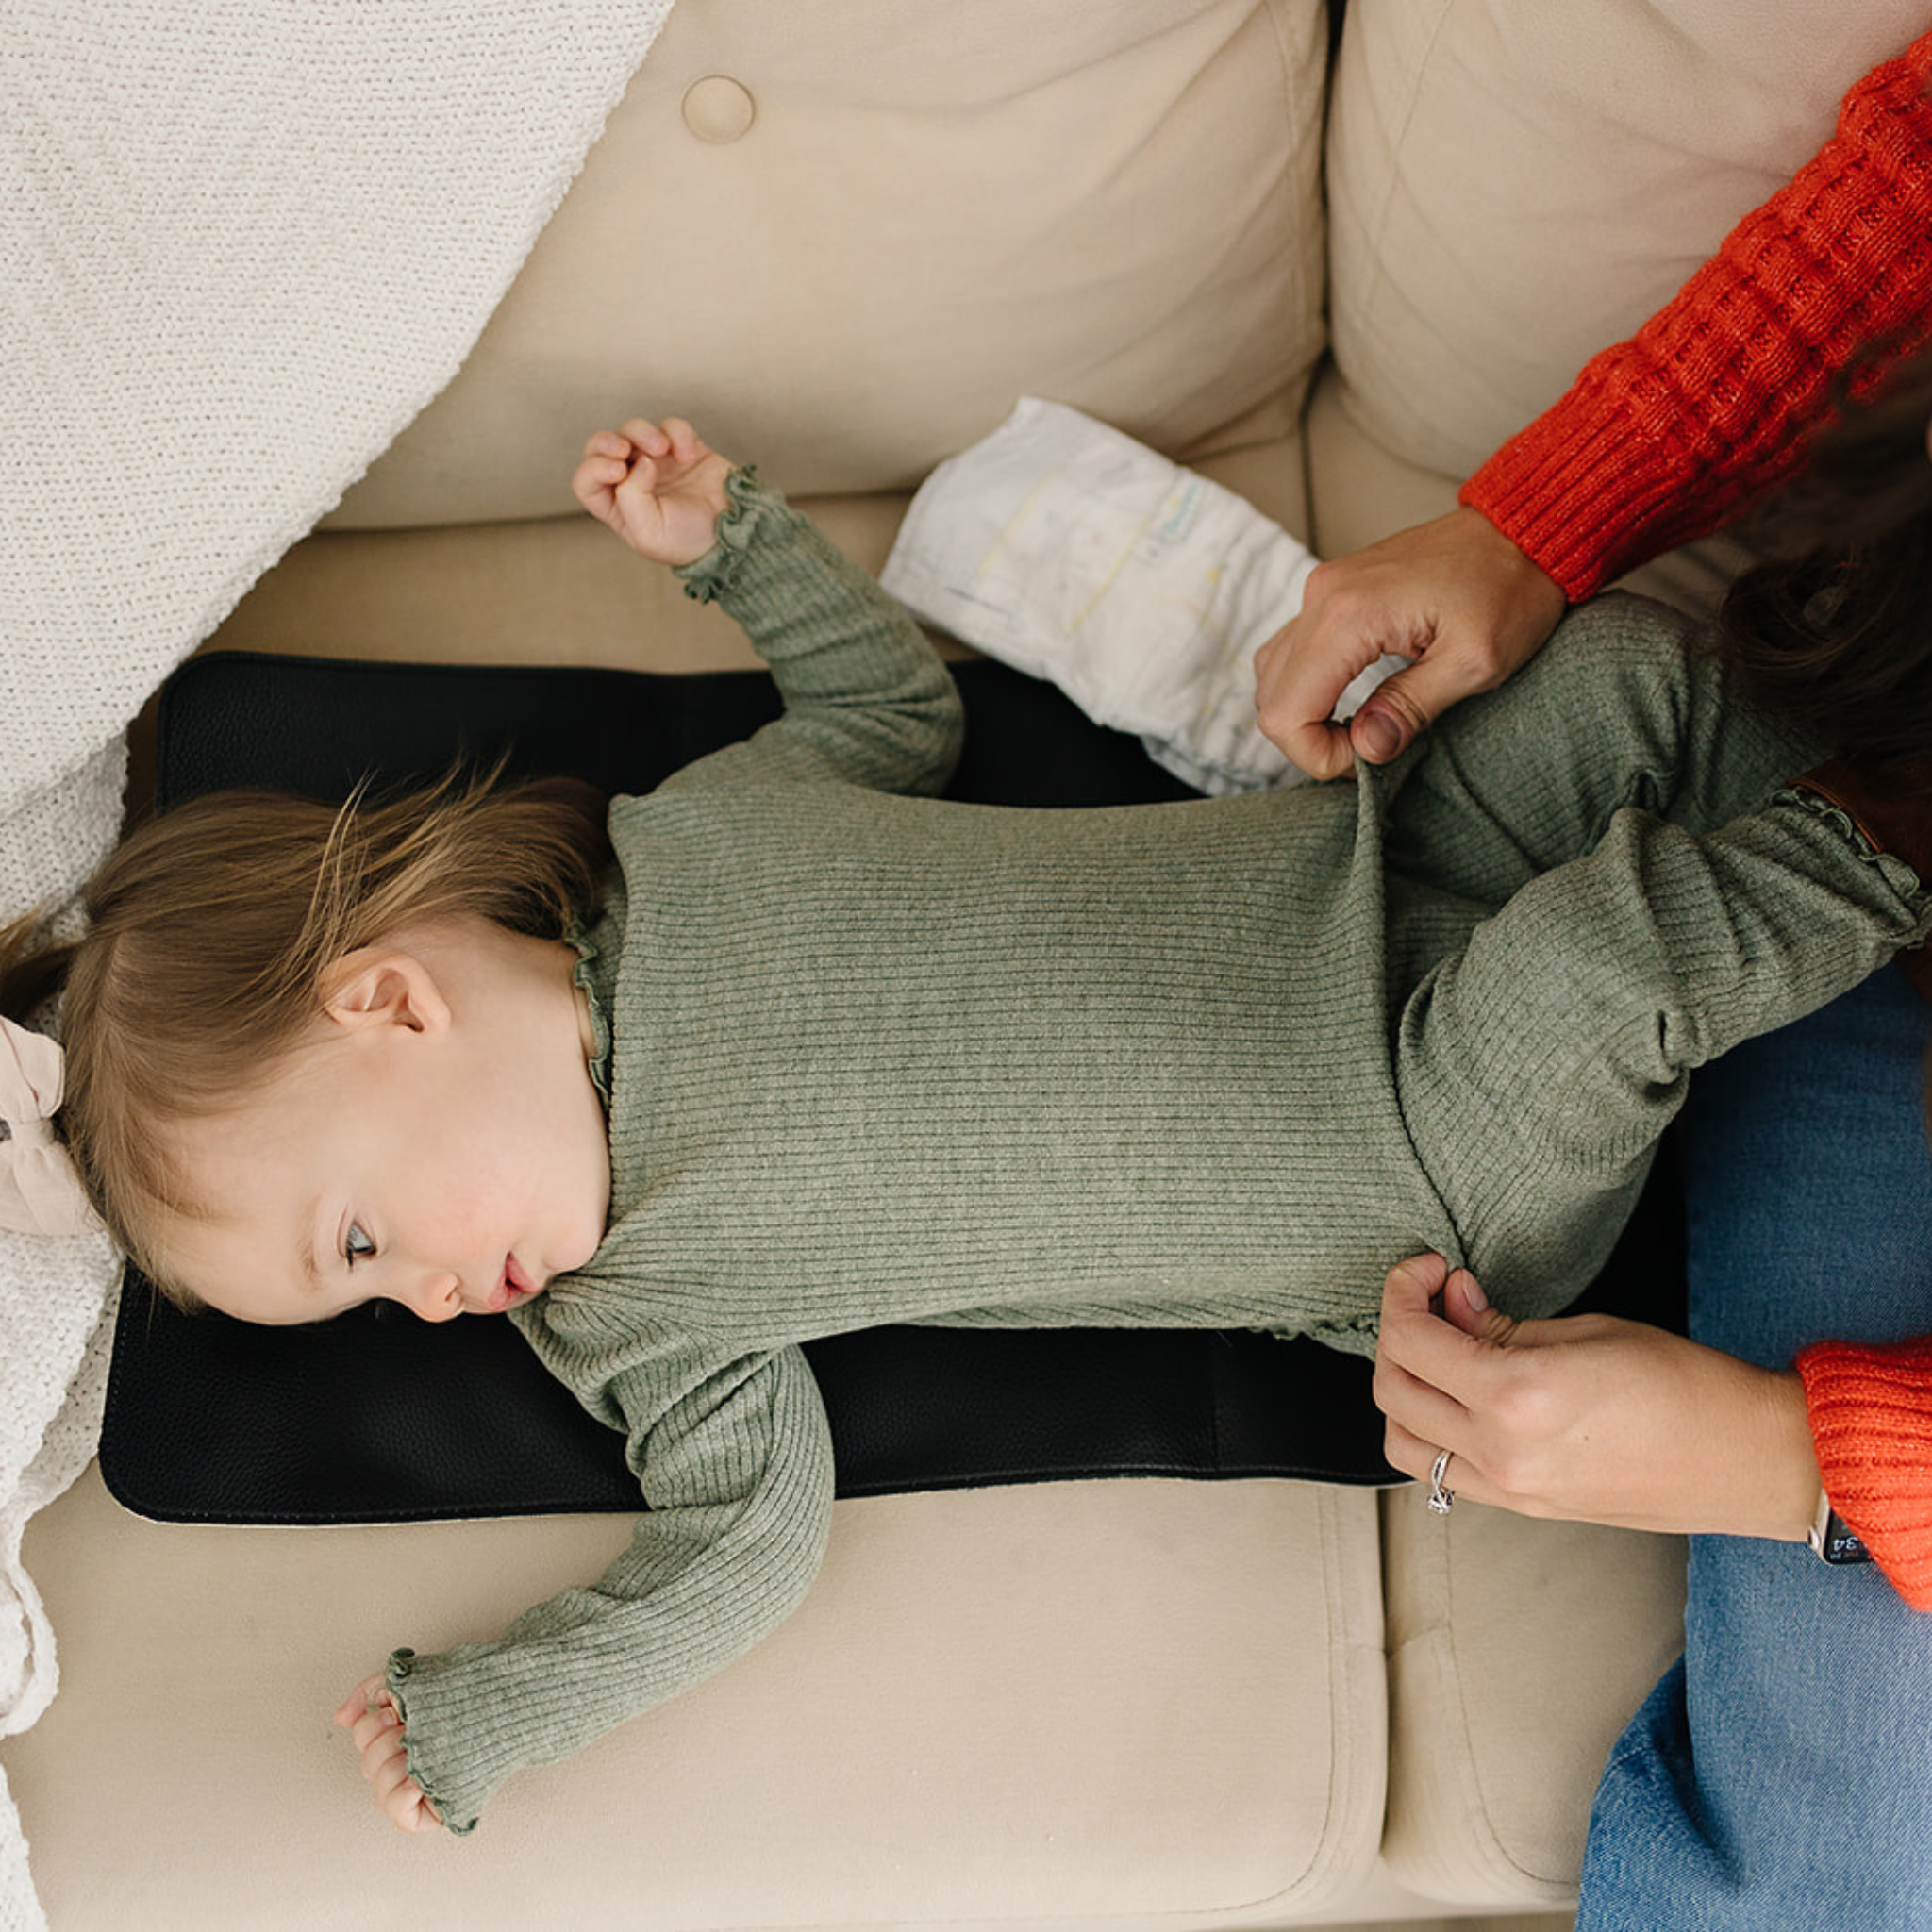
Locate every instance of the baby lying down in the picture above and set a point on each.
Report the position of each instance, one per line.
(790, 1046)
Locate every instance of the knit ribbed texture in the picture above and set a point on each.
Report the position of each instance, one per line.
(878, 1057)
(1870, 1410)
(1665, 437)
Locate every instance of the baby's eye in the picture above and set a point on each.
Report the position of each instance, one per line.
(356, 1247)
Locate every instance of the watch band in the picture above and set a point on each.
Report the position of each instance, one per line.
(1829, 1537)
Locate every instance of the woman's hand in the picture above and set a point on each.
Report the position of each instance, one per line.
(657, 484)
(1455, 594)
(370, 1715)
(1587, 1417)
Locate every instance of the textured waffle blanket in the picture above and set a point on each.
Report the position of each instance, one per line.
(242, 244)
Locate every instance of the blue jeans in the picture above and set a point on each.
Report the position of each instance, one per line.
(1781, 1775)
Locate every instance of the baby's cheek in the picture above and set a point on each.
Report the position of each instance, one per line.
(458, 1216)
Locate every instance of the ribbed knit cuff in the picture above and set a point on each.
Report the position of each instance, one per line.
(1559, 490)
(1871, 1409)
(1665, 437)
(746, 504)
(458, 1818)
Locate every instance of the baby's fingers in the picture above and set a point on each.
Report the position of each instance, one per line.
(415, 1812)
(369, 1714)
(386, 1765)
(379, 1735)
(686, 447)
(401, 1799)
(647, 437)
(597, 482)
(358, 1700)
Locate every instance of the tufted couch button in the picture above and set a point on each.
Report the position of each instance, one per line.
(717, 109)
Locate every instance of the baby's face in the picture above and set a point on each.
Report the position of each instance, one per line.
(453, 1159)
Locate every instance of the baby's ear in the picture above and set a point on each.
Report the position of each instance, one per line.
(384, 986)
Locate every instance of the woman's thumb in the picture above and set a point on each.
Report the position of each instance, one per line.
(1467, 1308)
(1398, 711)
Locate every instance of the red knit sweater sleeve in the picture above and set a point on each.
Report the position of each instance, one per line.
(1666, 436)
(1870, 1411)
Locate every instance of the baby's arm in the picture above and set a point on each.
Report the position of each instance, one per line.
(866, 698)
(734, 1460)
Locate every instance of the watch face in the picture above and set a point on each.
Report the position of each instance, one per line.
(1841, 1545)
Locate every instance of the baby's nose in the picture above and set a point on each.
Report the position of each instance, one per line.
(436, 1296)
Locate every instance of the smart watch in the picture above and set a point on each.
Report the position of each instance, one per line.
(1830, 1538)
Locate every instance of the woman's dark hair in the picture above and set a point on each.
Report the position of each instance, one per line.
(1834, 629)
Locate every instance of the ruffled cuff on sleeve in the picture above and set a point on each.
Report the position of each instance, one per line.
(747, 504)
(396, 1676)
(1871, 1409)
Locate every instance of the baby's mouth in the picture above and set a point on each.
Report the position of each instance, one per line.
(515, 1286)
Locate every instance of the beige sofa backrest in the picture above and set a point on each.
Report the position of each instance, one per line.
(1514, 184)
(849, 270)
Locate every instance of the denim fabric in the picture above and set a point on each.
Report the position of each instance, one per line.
(1781, 1775)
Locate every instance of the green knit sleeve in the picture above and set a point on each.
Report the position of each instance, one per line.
(866, 698)
(734, 1460)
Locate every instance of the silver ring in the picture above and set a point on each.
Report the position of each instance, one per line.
(1441, 1500)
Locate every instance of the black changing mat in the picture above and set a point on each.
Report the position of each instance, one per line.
(376, 1417)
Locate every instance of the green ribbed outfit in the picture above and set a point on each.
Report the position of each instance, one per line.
(878, 1057)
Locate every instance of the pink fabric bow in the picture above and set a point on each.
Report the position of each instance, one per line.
(40, 1192)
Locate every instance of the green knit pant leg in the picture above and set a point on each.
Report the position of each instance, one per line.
(1536, 1066)
(1540, 1062)
(1621, 708)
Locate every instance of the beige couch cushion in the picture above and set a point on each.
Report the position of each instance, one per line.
(1515, 185)
(842, 235)
(563, 590)
(1517, 1652)
(1108, 1702)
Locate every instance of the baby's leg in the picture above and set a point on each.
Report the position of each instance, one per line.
(1538, 1065)
(1622, 707)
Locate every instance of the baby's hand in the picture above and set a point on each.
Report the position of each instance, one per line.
(369, 1714)
(659, 486)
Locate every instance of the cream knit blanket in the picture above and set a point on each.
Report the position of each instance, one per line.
(243, 243)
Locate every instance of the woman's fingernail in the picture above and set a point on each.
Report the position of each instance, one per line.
(1378, 734)
(1473, 1292)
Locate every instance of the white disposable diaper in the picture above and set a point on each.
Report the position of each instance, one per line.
(1069, 551)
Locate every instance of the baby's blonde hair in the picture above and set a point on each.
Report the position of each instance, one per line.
(211, 929)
